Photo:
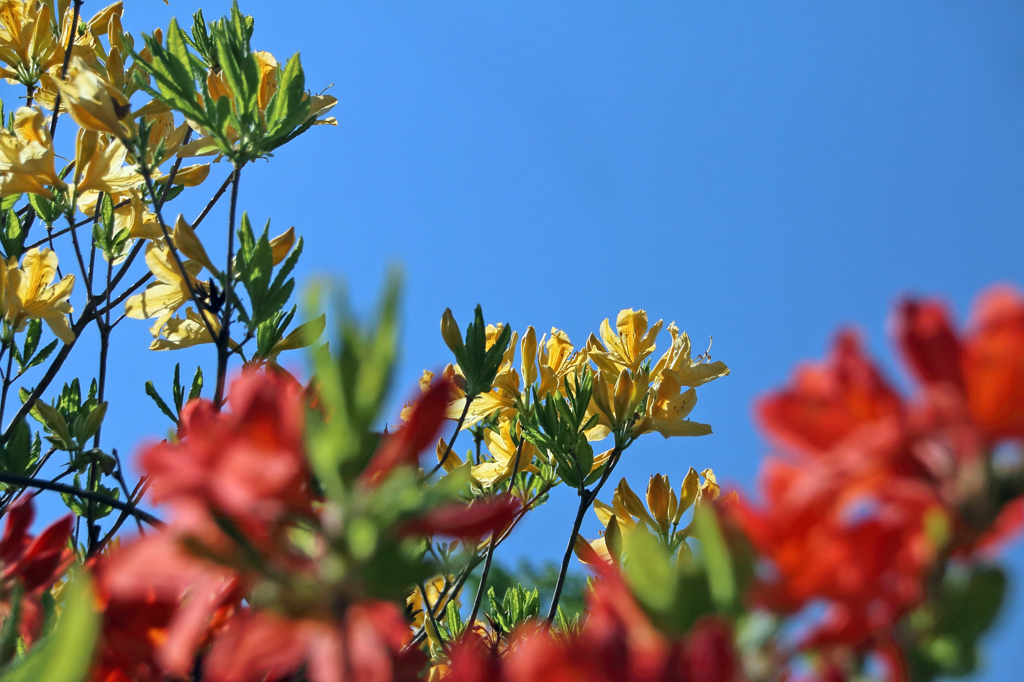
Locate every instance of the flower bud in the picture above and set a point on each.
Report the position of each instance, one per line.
(529, 361)
(631, 502)
(188, 243)
(450, 332)
(658, 499)
(687, 493)
(622, 397)
(281, 246)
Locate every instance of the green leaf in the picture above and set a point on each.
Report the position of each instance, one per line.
(42, 356)
(152, 393)
(67, 654)
(197, 382)
(9, 632)
(716, 557)
(649, 571)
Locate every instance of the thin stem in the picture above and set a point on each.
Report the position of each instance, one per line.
(451, 443)
(27, 482)
(193, 294)
(7, 381)
(430, 612)
(86, 273)
(76, 12)
(223, 345)
(586, 499)
(138, 248)
(483, 580)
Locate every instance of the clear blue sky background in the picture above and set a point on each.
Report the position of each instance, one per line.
(762, 172)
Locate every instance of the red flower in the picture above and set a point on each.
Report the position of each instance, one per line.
(826, 403)
(248, 463)
(363, 644)
(403, 447)
(467, 521)
(161, 605)
(34, 562)
(984, 368)
(618, 643)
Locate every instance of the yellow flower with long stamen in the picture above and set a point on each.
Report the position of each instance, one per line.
(26, 156)
(31, 294)
(162, 298)
(678, 365)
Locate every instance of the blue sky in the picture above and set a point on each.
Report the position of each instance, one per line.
(760, 172)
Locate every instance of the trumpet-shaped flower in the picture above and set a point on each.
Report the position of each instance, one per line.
(162, 298)
(93, 103)
(27, 44)
(99, 165)
(506, 458)
(678, 364)
(626, 347)
(31, 293)
(26, 156)
(189, 331)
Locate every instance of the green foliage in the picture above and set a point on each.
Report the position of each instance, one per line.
(558, 424)
(517, 606)
(254, 268)
(66, 654)
(12, 235)
(352, 386)
(20, 453)
(237, 127)
(71, 421)
(27, 357)
(104, 236)
(478, 363)
(949, 627)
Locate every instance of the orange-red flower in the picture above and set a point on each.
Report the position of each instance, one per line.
(363, 644)
(247, 463)
(36, 562)
(618, 643)
(826, 403)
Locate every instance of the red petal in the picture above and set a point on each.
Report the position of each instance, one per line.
(15, 539)
(404, 446)
(45, 558)
(462, 521)
(929, 343)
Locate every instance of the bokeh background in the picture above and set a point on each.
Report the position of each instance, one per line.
(760, 172)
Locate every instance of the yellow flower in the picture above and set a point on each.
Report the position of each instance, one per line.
(677, 364)
(667, 412)
(31, 293)
(556, 361)
(616, 404)
(94, 103)
(503, 456)
(162, 298)
(26, 156)
(133, 216)
(418, 608)
(181, 333)
(99, 165)
(661, 500)
(628, 346)
(27, 43)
